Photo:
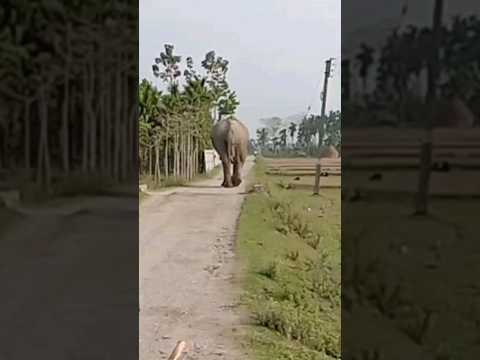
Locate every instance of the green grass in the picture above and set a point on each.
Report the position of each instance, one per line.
(415, 281)
(289, 243)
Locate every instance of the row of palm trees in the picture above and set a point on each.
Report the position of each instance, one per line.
(303, 136)
(68, 89)
(175, 124)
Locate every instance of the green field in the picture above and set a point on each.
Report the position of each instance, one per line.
(289, 245)
(412, 279)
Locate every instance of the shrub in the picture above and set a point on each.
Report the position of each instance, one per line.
(314, 241)
(295, 324)
(293, 255)
(290, 219)
(270, 271)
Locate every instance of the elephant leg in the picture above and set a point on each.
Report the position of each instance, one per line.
(227, 178)
(237, 178)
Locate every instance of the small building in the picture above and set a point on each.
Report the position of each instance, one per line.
(212, 159)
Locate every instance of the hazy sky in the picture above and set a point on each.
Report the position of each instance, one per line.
(365, 20)
(276, 48)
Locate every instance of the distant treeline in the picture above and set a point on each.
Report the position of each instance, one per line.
(307, 137)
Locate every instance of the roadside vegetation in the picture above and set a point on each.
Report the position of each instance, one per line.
(289, 245)
(68, 122)
(175, 122)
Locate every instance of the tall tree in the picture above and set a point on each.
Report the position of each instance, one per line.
(225, 101)
(262, 138)
(292, 130)
(283, 138)
(365, 60)
(333, 129)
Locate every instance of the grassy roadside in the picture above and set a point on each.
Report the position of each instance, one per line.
(289, 244)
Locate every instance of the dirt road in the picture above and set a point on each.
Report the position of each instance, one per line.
(187, 282)
(68, 281)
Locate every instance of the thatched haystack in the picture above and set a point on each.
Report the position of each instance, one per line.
(329, 152)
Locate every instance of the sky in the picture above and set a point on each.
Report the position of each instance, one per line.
(372, 20)
(276, 48)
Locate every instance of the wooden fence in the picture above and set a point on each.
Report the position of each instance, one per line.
(326, 167)
(400, 148)
(291, 167)
(309, 167)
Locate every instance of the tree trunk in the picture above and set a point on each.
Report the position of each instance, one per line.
(75, 123)
(149, 158)
(102, 111)
(66, 108)
(117, 121)
(165, 160)
(65, 136)
(189, 157)
(185, 156)
(85, 121)
(157, 163)
(124, 136)
(175, 156)
(26, 122)
(110, 110)
(93, 120)
(43, 174)
(124, 148)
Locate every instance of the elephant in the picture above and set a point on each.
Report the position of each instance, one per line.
(230, 139)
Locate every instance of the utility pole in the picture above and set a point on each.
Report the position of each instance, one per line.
(328, 67)
(421, 200)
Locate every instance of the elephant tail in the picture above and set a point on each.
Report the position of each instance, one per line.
(230, 146)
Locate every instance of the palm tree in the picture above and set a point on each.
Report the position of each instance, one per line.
(283, 138)
(292, 130)
(262, 137)
(333, 129)
(365, 60)
(275, 143)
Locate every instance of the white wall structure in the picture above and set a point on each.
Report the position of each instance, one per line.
(212, 159)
